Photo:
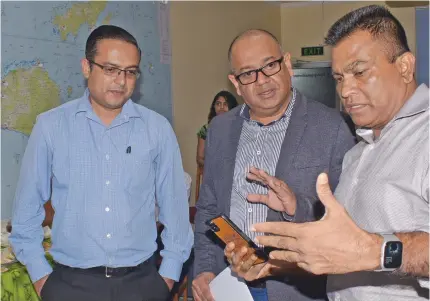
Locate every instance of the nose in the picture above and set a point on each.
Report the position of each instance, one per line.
(347, 87)
(262, 78)
(120, 78)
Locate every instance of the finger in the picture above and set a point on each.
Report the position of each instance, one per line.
(279, 242)
(288, 256)
(280, 228)
(256, 174)
(238, 257)
(247, 264)
(258, 198)
(196, 293)
(228, 251)
(325, 194)
(253, 177)
(206, 293)
(230, 247)
(264, 271)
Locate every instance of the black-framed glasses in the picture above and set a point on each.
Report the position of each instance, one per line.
(114, 71)
(251, 76)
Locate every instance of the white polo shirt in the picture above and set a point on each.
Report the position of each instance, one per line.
(384, 186)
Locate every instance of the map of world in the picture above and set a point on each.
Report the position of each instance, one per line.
(42, 45)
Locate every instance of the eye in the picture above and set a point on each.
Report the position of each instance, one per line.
(110, 69)
(359, 73)
(338, 79)
(132, 72)
(271, 65)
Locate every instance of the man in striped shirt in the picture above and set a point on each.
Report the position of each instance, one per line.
(278, 131)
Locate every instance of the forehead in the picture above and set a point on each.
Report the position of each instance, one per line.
(220, 99)
(117, 52)
(358, 47)
(253, 51)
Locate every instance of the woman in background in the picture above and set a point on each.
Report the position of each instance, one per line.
(223, 102)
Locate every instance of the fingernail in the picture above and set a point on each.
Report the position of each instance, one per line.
(256, 240)
(253, 229)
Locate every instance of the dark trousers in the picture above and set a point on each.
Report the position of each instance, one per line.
(71, 284)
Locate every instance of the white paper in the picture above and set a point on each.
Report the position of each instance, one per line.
(228, 287)
(163, 32)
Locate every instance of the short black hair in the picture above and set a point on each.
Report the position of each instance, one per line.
(107, 32)
(229, 98)
(378, 21)
(249, 32)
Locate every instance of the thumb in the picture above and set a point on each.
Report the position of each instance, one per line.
(325, 194)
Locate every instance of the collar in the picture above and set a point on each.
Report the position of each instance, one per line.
(244, 110)
(416, 104)
(128, 110)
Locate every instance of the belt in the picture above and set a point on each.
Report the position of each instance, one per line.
(108, 271)
(259, 283)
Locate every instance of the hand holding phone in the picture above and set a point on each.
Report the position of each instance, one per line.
(228, 232)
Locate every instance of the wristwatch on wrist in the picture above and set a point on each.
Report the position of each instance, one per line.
(391, 252)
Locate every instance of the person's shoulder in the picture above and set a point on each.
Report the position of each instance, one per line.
(316, 107)
(63, 110)
(151, 117)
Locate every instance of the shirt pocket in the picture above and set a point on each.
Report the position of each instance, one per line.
(139, 169)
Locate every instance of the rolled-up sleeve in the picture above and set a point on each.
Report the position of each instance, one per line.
(33, 190)
(177, 235)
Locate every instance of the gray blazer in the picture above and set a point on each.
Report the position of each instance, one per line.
(316, 140)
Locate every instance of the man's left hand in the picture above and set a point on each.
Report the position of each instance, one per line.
(332, 245)
(279, 197)
(170, 283)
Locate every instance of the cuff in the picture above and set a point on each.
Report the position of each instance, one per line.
(38, 268)
(171, 268)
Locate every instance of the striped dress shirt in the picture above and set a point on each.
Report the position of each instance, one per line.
(260, 147)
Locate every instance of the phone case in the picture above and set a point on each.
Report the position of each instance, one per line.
(227, 231)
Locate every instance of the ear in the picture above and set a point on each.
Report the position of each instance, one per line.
(235, 83)
(86, 68)
(287, 62)
(406, 66)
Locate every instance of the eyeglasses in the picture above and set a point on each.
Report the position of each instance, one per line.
(114, 71)
(251, 76)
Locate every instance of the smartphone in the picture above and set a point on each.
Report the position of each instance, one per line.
(227, 231)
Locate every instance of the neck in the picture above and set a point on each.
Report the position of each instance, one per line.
(106, 115)
(266, 117)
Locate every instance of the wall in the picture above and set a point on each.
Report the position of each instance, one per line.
(201, 33)
(306, 24)
(422, 24)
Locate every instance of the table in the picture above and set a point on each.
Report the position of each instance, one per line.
(16, 284)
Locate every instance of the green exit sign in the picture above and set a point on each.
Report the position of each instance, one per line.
(316, 50)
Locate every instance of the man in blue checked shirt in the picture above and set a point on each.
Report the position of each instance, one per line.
(103, 160)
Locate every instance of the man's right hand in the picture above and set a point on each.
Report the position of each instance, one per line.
(245, 267)
(38, 285)
(201, 290)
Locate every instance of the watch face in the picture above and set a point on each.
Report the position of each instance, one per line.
(393, 255)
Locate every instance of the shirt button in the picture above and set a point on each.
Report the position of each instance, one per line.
(107, 182)
(258, 152)
(107, 209)
(108, 235)
(107, 157)
(249, 210)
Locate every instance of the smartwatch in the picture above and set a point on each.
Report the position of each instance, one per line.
(391, 253)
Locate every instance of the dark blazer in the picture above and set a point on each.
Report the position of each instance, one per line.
(316, 140)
